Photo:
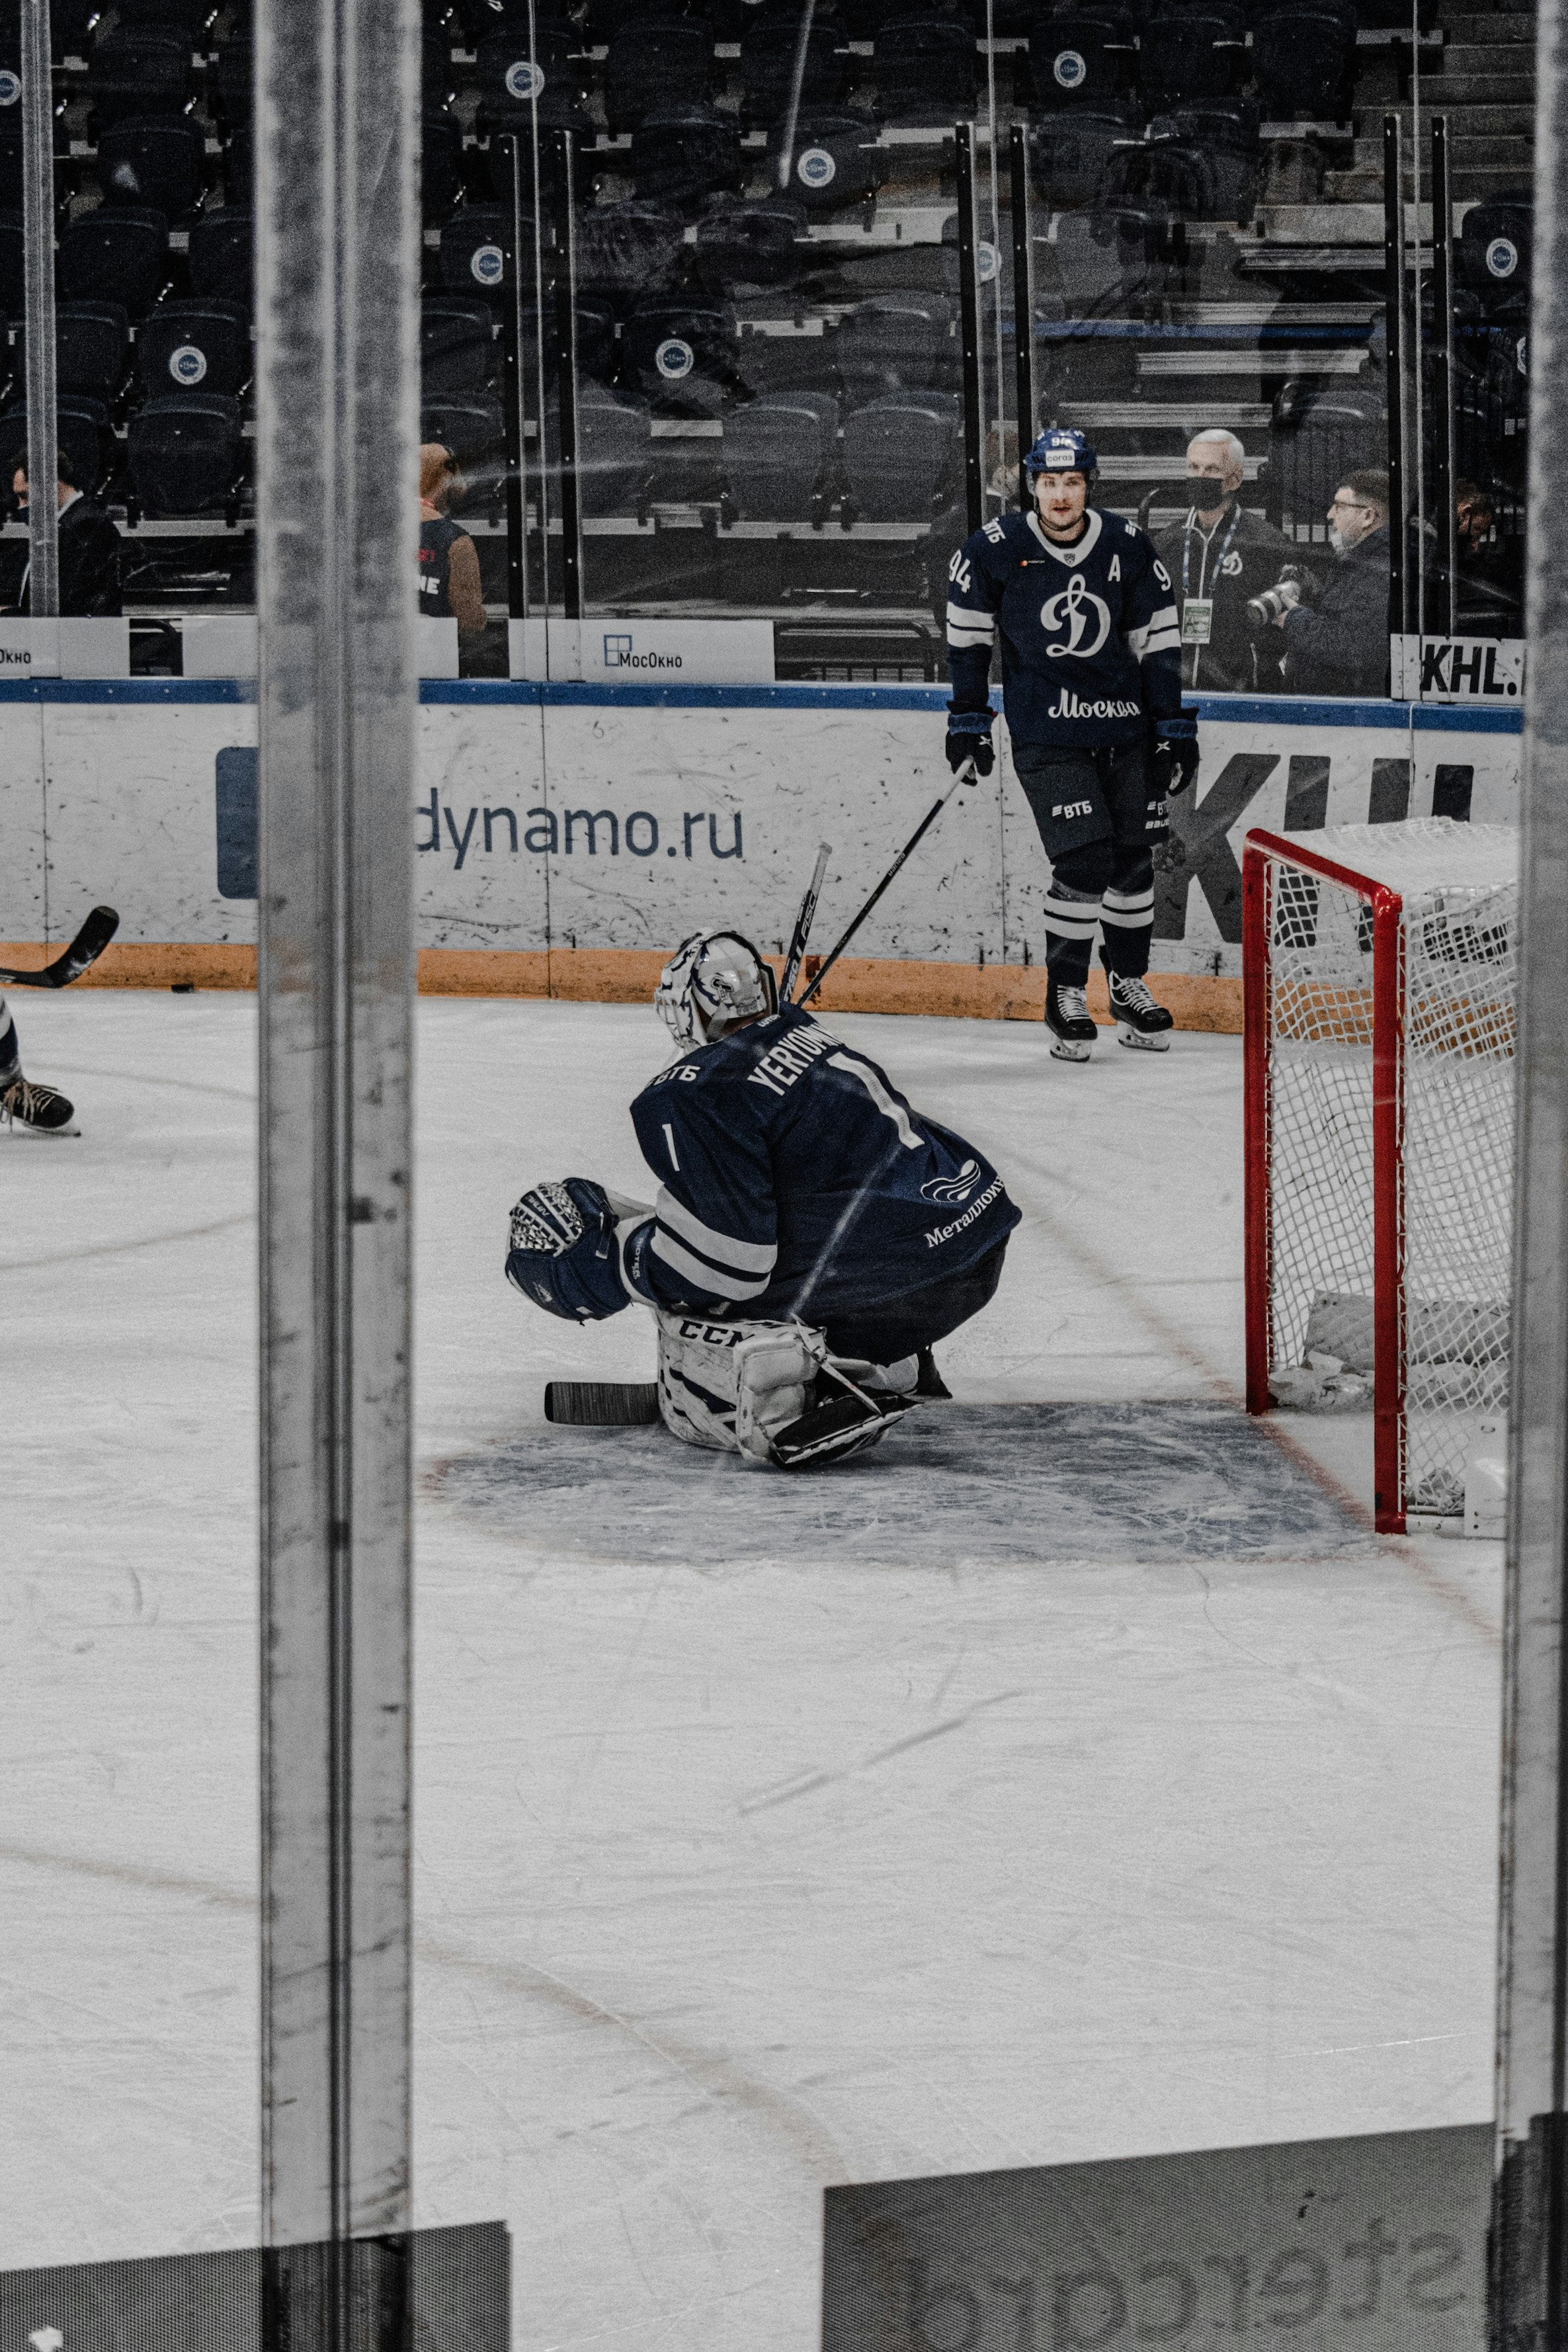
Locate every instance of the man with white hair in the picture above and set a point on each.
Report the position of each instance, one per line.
(1218, 556)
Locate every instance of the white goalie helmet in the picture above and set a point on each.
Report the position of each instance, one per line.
(713, 980)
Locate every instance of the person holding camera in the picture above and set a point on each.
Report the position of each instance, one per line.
(1219, 557)
(1338, 643)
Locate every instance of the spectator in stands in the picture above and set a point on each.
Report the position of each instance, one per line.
(448, 561)
(1219, 558)
(90, 552)
(1490, 598)
(1339, 645)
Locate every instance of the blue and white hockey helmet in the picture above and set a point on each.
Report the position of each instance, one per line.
(1060, 450)
(713, 980)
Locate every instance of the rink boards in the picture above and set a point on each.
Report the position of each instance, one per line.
(566, 836)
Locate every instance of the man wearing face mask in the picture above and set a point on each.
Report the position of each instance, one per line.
(1340, 645)
(1218, 556)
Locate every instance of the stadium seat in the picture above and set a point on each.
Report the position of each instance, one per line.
(1191, 52)
(926, 68)
(437, 75)
(553, 78)
(1080, 57)
(186, 453)
(1071, 152)
(1205, 163)
(145, 73)
(614, 453)
(786, 353)
(754, 243)
(608, 17)
(459, 356)
(780, 454)
(92, 348)
(234, 73)
(1493, 254)
(153, 163)
(628, 250)
(900, 456)
(894, 344)
(769, 54)
(82, 433)
(682, 153)
(664, 62)
(475, 431)
(683, 353)
(195, 346)
(596, 353)
(1303, 57)
(475, 251)
(194, 18)
(12, 297)
(117, 252)
(835, 161)
(479, 17)
(222, 253)
(1318, 433)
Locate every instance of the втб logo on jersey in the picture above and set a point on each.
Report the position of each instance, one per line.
(1078, 610)
(953, 1188)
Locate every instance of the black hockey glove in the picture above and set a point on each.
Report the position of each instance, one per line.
(1173, 760)
(969, 737)
(566, 1253)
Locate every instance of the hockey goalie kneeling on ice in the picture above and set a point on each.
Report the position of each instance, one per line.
(813, 1238)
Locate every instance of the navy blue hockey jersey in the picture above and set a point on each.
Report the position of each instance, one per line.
(795, 1179)
(1090, 641)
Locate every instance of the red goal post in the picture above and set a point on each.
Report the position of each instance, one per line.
(1379, 969)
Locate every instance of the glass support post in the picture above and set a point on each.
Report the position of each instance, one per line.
(38, 299)
(1443, 467)
(1023, 297)
(1393, 299)
(970, 329)
(337, 435)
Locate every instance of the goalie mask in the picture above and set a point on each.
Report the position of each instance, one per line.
(713, 980)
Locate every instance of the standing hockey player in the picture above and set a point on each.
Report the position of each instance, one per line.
(25, 1105)
(1091, 686)
(813, 1235)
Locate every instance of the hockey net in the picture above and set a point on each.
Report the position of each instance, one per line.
(1381, 966)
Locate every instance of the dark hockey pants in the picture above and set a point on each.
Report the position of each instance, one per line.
(902, 1326)
(1098, 818)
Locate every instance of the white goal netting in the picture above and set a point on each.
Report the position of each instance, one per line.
(1437, 1166)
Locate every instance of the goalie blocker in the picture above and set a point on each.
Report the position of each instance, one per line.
(813, 1235)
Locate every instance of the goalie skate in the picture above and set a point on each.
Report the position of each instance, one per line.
(851, 1421)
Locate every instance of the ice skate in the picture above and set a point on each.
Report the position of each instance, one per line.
(32, 1109)
(1067, 1018)
(1140, 1020)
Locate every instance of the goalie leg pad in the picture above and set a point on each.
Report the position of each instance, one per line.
(727, 1385)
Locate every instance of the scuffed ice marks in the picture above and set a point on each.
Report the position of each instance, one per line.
(1016, 1484)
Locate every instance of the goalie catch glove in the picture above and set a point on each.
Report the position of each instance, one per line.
(566, 1249)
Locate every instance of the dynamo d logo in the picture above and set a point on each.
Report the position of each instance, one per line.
(1069, 70)
(1502, 256)
(816, 169)
(187, 366)
(674, 359)
(953, 1188)
(524, 79)
(1077, 609)
(10, 86)
(488, 264)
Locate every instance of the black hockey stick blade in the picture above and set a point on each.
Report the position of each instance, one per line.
(85, 948)
(964, 775)
(602, 1404)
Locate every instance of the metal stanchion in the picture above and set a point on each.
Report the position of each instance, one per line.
(38, 298)
(336, 434)
(1442, 468)
(566, 362)
(1023, 297)
(1394, 304)
(1530, 2236)
(970, 329)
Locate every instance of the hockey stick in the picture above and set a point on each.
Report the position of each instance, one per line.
(803, 924)
(601, 1404)
(85, 948)
(965, 776)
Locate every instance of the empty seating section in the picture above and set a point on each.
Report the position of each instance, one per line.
(767, 334)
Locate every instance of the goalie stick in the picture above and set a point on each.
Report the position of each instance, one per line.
(803, 924)
(964, 775)
(85, 948)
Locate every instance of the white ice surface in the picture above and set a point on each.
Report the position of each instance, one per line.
(732, 1882)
